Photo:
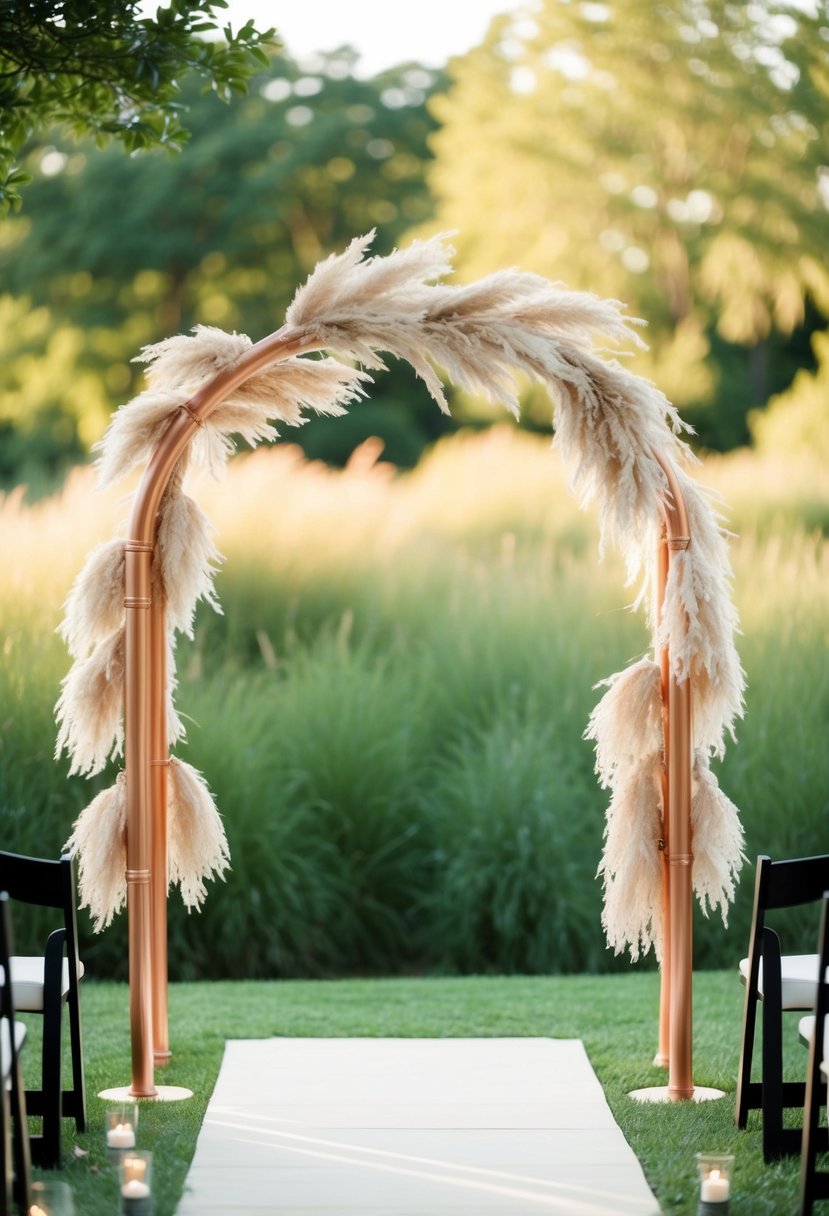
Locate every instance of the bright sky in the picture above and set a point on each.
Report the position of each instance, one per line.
(385, 32)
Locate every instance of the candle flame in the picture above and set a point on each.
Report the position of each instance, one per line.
(134, 1169)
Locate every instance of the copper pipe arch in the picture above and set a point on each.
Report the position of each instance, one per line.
(145, 748)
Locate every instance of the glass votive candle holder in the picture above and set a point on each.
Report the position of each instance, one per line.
(51, 1198)
(715, 1170)
(120, 1127)
(135, 1178)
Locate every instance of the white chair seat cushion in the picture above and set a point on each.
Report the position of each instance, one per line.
(798, 979)
(5, 1054)
(27, 981)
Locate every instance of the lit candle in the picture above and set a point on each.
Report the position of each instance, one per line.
(121, 1136)
(135, 1189)
(135, 1185)
(715, 1188)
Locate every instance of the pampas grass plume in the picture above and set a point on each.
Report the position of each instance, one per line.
(626, 725)
(185, 560)
(98, 840)
(631, 864)
(186, 360)
(89, 710)
(717, 841)
(197, 846)
(134, 432)
(95, 604)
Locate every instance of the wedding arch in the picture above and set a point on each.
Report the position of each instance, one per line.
(670, 831)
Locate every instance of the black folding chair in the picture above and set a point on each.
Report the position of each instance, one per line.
(14, 1139)
(814, 1183)
(44, 984)
(781, 982)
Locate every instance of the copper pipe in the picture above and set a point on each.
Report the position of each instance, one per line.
(145, 691)
(679, 747)
(159, 767)
(137, 599)
(663, 1051)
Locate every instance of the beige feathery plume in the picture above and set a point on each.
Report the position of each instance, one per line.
(185, 560)
(134, 432)
(717, 840)
(175, 726)
(626, 725)
(90, 707)
(99, 841)
(347, 287)
(608, 421)
(188, 359)
(95, 604)
(197, 848)
(480, 334)
(284, 393)
(631, 864)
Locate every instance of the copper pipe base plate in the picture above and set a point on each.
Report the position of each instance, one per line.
(660, 1061)
(163, 1093)
(659, 1093)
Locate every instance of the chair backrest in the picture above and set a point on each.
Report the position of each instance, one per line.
(792, 883)
(43, 883)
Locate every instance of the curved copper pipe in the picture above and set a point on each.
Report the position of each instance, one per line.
(144, 714)
(678, 953)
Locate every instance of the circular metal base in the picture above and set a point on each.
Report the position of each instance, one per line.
(660, 1093)
(163, 1093)
(660, 1061)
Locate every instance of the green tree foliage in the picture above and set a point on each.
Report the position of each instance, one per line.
(96, 67)
(670, 155)
(798, 420)
(113, 252)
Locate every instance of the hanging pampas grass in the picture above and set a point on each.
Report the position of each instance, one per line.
(627, 723)
(718, 840)
(133, 434)
(98, 841)
(197, 845)
(185, 560)
(95, 605)
(185, 361)
(613, 429)
(631, 865)
(89, 710)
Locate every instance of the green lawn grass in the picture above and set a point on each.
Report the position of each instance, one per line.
(615, 1016)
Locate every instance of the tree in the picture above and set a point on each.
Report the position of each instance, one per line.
(96, 68)
(669, 155)
(113, 252)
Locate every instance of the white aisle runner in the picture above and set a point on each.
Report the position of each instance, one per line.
(411, 1127)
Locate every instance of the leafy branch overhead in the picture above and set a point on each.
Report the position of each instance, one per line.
(98, 68)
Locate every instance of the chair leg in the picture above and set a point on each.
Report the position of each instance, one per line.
(22, 1187)
(772, 1096)
(77, 1107)
(813, 1185)
(748, 1094)
(6, 1151)
(46, 1148)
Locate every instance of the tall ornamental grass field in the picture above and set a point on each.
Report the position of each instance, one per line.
(390, 710)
